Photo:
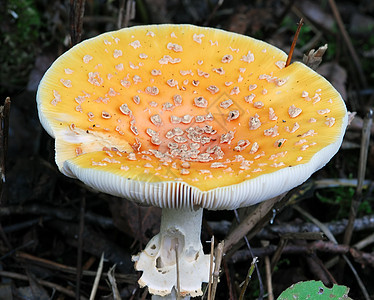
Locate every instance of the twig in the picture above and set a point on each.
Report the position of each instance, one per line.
(320, 246)
(217, 265)
(80, 245)
(356, 201)
(211, 15)
(332, 238)
(364, 242)
(69, 270)
(249, 222)
(48, 284)
(301, 22)
(277, 254)
(336, 227)
(268, 272)
(11, 252)
(347, 40)
(248, 278)
(97, 278)
(76, 12)
(4, 132)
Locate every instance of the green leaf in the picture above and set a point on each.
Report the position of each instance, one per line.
(314, 290)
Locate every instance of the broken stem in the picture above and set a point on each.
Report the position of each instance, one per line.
(301, 22)
(211, 267)
(177, 267)
(248, 278)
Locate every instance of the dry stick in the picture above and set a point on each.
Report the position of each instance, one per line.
(211, 267)
(131, 279)
(177, 267)
(249, 222)
(76, 11)
(97, 278)
(277, 254)
(356, 201)
(48, 284)
(268, 278)
(269, 284)
(219, 254)
(364, 242)
(216, 7)
(80, 245)
(332, 238)
(347, 40)
(4, 130)
(301, 22)
(362, 258)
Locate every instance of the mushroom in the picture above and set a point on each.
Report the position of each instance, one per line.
(186, 118)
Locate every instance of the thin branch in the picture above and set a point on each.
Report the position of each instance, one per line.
(217, 266)
(249, 222)
(45, 263)
(356, 201)
(332, 238)
(80, 245)
(360, 257)
(300, 24)
(348, 42)
(76, 11)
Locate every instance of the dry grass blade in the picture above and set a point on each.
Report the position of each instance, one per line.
(97, 278)
(113, 283)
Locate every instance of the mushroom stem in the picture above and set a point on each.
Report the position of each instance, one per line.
(180, 231)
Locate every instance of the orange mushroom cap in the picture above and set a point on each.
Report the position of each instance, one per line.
(182, 116)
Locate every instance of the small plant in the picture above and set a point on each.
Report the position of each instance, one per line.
(314, 290)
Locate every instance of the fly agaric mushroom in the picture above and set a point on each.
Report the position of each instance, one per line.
(186, 118)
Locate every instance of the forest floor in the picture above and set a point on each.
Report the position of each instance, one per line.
(53, 230)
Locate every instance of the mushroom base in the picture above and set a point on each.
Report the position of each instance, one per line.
(174, 258)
